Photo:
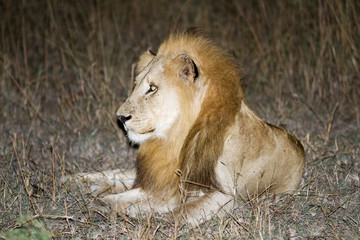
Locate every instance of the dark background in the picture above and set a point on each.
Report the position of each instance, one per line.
(66, 66)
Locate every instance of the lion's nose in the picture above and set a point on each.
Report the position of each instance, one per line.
(123, 119)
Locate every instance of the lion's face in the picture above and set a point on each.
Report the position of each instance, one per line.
(154, 105)
(165, 89)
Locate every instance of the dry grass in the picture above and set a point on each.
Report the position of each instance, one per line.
(66, 67)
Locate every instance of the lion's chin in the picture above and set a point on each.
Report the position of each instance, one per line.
(138, 138)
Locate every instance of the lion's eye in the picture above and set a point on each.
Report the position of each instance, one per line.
(152, 88)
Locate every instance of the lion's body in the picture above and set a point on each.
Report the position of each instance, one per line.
(200, 144)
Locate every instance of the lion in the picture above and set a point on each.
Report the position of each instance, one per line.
(200, 145)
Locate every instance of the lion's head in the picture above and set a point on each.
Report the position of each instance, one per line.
(164, 85)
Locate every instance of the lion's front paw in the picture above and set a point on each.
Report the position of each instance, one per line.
(110, 205)
(110, 186)
(101, 207)
(115, 204)
(80, 178)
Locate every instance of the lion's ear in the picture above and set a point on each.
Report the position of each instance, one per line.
(188, 68)
(144, 60)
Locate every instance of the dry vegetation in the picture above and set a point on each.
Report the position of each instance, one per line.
(65, 67)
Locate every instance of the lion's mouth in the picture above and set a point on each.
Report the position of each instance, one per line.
(127, 129)
(149, 131)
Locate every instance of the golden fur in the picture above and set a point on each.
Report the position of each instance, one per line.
(200, 144)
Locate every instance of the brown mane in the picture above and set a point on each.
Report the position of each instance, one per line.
(204, 143)
(155, 169)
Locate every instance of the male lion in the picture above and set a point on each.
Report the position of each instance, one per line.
(200, 144)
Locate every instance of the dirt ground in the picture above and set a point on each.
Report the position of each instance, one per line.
(66, 66)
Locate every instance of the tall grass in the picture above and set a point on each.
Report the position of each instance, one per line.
(307, 49)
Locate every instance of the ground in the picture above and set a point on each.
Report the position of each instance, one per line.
(66, 66)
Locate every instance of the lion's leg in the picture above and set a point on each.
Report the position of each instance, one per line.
(111, 186)
(136, 201)
(122, 202)
(202, 209)
(104, 175)
(290, 185)
(113, 181)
